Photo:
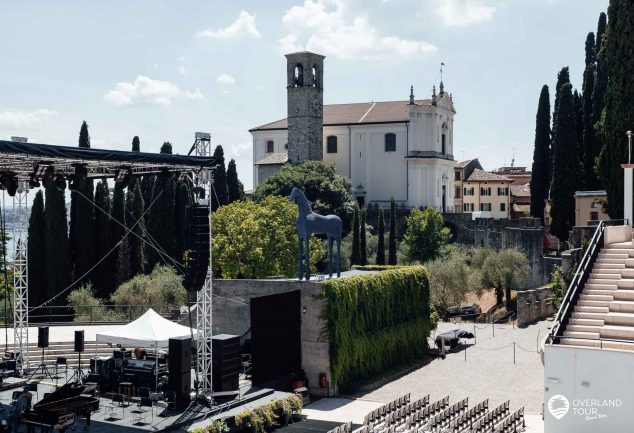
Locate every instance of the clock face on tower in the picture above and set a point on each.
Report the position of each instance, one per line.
(315, 107)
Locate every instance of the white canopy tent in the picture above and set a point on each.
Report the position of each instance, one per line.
(151, 330)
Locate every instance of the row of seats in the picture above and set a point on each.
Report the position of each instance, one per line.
(488, 422)
(442, 420)
(466, 420)
(379, 415)
(514, 423)
(343, 428)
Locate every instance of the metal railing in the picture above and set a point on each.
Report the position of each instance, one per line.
(579, 280)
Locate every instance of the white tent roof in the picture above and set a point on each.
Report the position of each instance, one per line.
(149, 330)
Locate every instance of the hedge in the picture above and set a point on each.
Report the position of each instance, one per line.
(376, 322)
(376, 267)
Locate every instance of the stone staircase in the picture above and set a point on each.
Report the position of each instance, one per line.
(66, 349)
(605, 309)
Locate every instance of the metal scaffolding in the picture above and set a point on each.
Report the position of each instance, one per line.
(20, 277)
(203, 180)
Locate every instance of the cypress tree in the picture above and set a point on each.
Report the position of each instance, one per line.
(619, 110)
(540, 174)
(36, 246)
(161, 223)
(563, 77)
(56, 243)
(147, 186)
(220, 180)
(363, 249)
(235, 189)
(355, 257)
(136, 144)
(182, 200)
(166, 147)
(103, 282)
(601, 78)
(117, 231)
(380, 252)
(391, 256)
(567, 172)
(136, 243)
(577, 104)
(124, 272)
(589, 141)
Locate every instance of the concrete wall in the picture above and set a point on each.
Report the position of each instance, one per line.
(534, 305)
(616, 234)
(231, 315)
(596, 386)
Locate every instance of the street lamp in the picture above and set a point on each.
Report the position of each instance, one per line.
(629, 147)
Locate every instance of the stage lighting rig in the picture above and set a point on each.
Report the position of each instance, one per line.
(60, 182)
(122, 177)
(48, 176)
(78, 180)
(9, 182)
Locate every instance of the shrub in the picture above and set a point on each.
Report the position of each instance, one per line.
(376, 322)
(217, 426)
(559, 286)
(87, 308)
(425, 235)
(267, 417)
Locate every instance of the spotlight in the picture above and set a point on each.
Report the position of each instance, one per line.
(48, 176)
(40, 169)
(10, 183)
(33, 183)
(123, 176)
(78, 180)
(60, 182)
(181, 177)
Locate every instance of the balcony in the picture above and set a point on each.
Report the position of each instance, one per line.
(429, 154)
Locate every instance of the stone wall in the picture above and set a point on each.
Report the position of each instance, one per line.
(232, 315)
(267, 170)
(534, 305)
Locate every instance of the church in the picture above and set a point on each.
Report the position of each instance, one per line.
(401, 149)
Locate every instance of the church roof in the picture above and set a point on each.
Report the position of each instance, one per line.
(521, 190)
(484, 176)
(274, 158)
(357, 113)
(463, 164)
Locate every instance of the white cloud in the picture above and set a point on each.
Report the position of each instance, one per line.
(321, 26)
(242, 27)
(20, 119)
(458, 13)
(148, 91)
(182, 70)
(226, 79)
(237, 151)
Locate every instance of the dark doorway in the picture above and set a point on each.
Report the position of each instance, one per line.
(275, 336)
(444, 198)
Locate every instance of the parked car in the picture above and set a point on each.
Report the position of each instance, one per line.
(470, 312)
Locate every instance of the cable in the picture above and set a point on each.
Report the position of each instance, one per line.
(98, 263)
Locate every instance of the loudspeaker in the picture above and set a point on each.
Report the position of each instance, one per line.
(42, 336)
(79, 341)
(180, 369)
(197, 247)
(226, 362)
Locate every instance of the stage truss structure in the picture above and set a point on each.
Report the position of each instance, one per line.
(24, 163)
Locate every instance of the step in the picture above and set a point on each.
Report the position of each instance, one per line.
(588, 303)
(621, 319)
(617, 345)
(584, 309)
(580, 334)
(603, 270)
(586, 322)
(617, 249)
(610, 265)
(610, 255)
(594, 286)
(623, 295)
(574, 326)
(618, 332)
(626, 284)
(610, 282)
(580, 342)
(629, 263)
(627, 273)
(591, 297)
(585, 315)
(594, 292)
(607, 276)
(622, 306)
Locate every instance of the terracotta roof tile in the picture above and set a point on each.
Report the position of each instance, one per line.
(521, 190)
(484, 176)
(357, 113)
(274, 158)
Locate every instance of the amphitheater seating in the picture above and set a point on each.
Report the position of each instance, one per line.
(343, 428)
(419, 416)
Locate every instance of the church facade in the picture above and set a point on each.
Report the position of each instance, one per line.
(401, 149)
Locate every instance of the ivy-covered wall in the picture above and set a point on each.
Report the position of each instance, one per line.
(376, 322)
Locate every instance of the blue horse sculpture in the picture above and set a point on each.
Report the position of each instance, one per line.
(308, 222)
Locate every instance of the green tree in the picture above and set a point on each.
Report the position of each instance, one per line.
(563, 77)
(567, 172)
(182, 199)
(619, 110)
(235, 188)
(38, 282)
(166, 147)
(577, 104)
(391, 247)
(147, 187)
(103, 282)
(363, 249)
(425, 235)
(506, 270)
(137, 223)
(257, 240)
(117, 229)
(448, 280)
(380, 252)
(161, 225)
(219, 191)
(82, 222)
(136, 144)
(598, 94)
(540, 173)
(327, 191)
(355, 255)
(56, 242)
(124, 271)
(589, 142)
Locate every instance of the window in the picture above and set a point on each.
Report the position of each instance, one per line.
(270, 148)
(331, 144)
(485, 191)
(467, 207)
(299, 75)
(502, 207)
(458, 195)
(469, 191)
(315, 82)
(594, 216)
(457, 175)
(503, 191)
(285, 146)
(390, 142)
(485, 207)
(443, 145)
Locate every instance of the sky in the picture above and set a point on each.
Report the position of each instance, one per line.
(163, 70)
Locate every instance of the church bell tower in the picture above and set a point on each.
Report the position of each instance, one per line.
(305, 94)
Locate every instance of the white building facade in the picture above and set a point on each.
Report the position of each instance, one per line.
(400, 149)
